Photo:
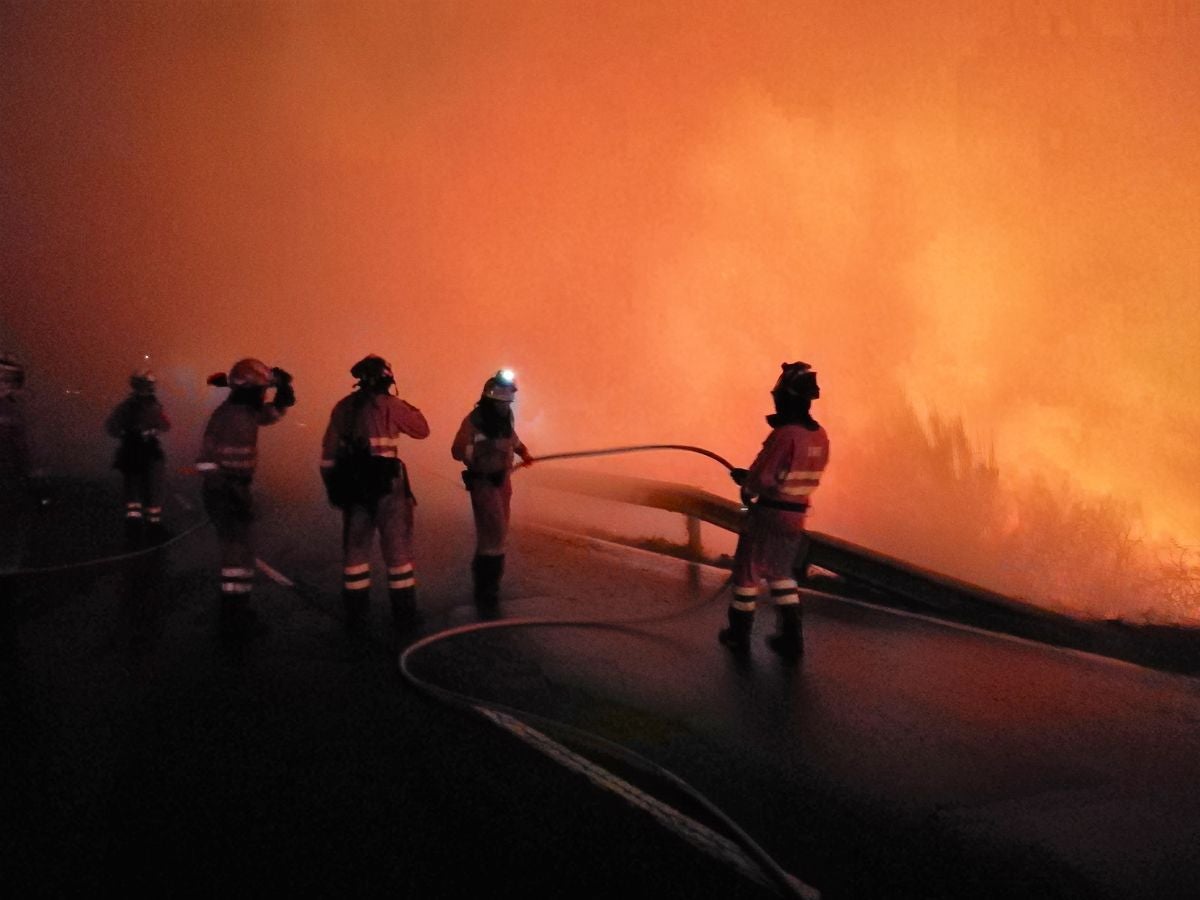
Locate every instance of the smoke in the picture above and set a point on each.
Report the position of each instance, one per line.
(983, 221)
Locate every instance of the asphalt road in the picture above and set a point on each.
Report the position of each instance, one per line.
(902, 757)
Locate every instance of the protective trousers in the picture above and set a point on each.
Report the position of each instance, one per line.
(392, 516)
(490, 505)
(768, 548)
(229, 505)
(144, 493)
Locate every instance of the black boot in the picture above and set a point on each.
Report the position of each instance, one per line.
(405, 616)
(355, 602)
(788, 641)
(133, 531)
(487, 571)
(737, 636)
(238, 620)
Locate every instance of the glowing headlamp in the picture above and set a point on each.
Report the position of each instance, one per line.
(507, 376)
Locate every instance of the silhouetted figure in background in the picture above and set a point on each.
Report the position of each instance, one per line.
(776, 489)
(367, 480)
(14, 462)
(228, 458)
(486, 443)
(137, 422)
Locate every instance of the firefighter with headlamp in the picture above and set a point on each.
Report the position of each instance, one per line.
(486, 443)
(228, 459)
(366, 478)
(136, 422)
(776, 489)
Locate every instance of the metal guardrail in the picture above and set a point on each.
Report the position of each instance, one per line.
(888, 581)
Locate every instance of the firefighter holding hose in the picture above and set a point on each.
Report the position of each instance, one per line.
(486, 443)
(776, 489)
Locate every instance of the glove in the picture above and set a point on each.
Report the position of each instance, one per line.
(527, 458)
(739, 476)
(285, 394)
(280, 377)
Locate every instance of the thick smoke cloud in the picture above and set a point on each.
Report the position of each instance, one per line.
(980, 226)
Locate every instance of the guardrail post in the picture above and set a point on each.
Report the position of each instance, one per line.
(693, 536)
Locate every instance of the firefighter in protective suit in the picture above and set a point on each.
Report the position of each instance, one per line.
(486, 443)
(137, 422)
(776, 489)
(14, 463)
(366, 478)
(228, 458)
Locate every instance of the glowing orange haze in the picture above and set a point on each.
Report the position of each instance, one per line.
(987, 217)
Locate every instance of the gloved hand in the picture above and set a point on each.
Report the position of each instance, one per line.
(285, 394)
(526, 458)
(739, 476)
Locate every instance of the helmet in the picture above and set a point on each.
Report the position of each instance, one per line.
(250, 373)
(797, 380)
(142, 381)
(373, 370)
(12, 374)
(501, 386)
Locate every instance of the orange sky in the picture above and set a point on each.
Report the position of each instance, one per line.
(644, 208)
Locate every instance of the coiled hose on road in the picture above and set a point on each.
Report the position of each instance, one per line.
(777, 876)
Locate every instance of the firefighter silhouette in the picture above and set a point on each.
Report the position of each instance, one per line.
(228, 458)
(136, 422)
(776, 490)
(365, 477)
(486, 443)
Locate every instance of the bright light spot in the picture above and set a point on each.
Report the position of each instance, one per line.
(507, 375)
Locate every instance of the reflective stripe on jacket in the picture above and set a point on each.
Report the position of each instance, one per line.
(230, 442)
(380, 421)
(789, 466)
(481, 454)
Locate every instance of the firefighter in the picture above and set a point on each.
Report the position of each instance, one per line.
(365, 477)
(137, 422)
(776, 490)
(14, 462)
(228, 457)
(486, 443)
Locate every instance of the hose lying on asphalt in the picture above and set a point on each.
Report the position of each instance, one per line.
(776, 875)
(105, 560)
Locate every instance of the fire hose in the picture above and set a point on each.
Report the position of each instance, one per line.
(613, 451)
(775, 875)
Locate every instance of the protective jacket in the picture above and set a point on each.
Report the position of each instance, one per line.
(137, 421)
(360, 453)
(482, 455)
(788, 468)
(230, 444)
